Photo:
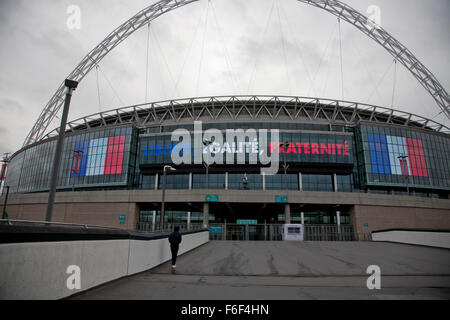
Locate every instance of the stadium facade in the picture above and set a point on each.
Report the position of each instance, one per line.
(337, 163)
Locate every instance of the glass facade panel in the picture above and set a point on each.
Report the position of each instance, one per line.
(344, 183)
(175, 181)
(317, 182)
(147, 181)
(276, 182)
(397, 156)
(215, 181)
(98, 158)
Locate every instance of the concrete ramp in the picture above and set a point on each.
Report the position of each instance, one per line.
(290, 270)
(306, 259)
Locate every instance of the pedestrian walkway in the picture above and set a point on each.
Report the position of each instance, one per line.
(290, 270)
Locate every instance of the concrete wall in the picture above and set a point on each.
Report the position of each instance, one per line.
(366, 219)
(424, 238)
(38, 270)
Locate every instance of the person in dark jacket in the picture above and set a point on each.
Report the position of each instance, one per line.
(175, 240)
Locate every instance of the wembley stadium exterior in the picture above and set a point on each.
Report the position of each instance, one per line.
(360, 167)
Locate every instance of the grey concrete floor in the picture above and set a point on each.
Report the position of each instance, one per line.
(288, 271)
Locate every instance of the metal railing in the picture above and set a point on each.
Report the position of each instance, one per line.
(274, 232)
(323, 232)
(149, 227)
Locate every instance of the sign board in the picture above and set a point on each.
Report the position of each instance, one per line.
(332, 149)
(281, 199)
(293, 232)
(122, 218)
(212, 198)
(215, 230)
(240, 221)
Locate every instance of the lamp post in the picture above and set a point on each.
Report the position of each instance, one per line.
(207, 143)
(4, 214)
(167, 167)
(404, 165)
(285, 166)
(71, 86)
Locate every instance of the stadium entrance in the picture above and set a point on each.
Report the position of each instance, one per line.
(250, 221)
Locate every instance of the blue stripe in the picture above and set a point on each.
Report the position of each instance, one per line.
(379, 154)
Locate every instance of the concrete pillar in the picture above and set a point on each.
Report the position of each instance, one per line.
(205, 215)
(156, 181)
(287, 213)
(263, 181)
(190, 180)
(265, 230)
(302, 218)
(226, 180)
(189, 220)
(338, 218)
(154, 220)
(300, 183)
(335, 182)
(224, 231)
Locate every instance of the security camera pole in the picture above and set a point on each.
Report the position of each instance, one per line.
(71, 86)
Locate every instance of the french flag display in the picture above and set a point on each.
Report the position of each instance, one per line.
(95, 157)
(397, 155)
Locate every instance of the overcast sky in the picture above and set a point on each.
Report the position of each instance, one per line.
(279, 47)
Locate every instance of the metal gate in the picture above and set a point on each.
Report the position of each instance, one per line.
(274, 232)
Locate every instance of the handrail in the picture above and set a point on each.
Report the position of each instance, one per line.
(85, 226)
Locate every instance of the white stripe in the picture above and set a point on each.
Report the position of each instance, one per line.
(397, 147)
(96, 157)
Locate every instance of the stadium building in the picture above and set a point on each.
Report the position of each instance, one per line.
(342, 169)
(338, 164)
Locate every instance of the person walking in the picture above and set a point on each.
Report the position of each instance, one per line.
(175, 240)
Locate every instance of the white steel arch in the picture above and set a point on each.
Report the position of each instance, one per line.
(145, 16)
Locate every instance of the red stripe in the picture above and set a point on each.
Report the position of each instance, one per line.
(416, 157)
(114, 155)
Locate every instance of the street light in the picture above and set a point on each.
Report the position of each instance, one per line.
(404, 166)
(167, 167)
(71, 85)
(206, 143)
(285, 166)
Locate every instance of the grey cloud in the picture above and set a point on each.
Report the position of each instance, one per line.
(39, 52)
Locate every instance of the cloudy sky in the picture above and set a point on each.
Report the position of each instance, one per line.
(228, 47)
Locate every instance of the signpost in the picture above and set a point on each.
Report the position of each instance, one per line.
(215, 230)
